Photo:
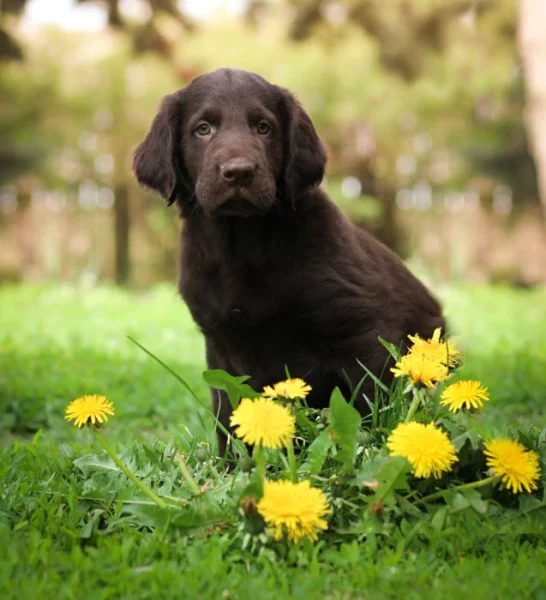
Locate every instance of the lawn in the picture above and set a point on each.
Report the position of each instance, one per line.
(57, 343)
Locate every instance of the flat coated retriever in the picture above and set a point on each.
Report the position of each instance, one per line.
(273, 272)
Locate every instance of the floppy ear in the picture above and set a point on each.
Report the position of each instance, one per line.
(157, 161)
(304, 153)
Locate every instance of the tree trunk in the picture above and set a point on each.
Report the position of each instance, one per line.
(122, 224)
(532, 47)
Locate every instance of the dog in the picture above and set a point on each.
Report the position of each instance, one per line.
(274, 274)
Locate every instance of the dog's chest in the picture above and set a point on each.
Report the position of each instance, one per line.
(231, 299)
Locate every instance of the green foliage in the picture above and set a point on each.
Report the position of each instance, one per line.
(461, 116)
(74, 526)
(21, 150)
(458, 126)
(344, 427)
(465, 104)
(235, 387)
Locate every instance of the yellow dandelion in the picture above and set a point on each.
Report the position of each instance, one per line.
(517, 467)
(435, 349)
(294, 509)
(464, 394)
(420, 369)
(426, 447)
(263, 422)
(291, 389)
(89, 409)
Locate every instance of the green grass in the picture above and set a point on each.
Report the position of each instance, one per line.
(60, 343)
(57, 343)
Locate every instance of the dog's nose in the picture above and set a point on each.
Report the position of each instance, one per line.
(237, 171)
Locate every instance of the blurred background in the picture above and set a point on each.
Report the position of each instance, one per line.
(433, 111)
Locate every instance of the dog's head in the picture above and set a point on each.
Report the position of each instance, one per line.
(230, 144)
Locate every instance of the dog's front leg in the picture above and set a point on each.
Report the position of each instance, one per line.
(221, 405)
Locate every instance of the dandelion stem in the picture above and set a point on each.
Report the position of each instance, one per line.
(258, 458)
(144, 488)
(414, 405)
(186, 473)
(292, 461)
(459, 488)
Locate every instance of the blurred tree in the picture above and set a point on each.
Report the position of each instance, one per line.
(431, 41)
(532, 44)
(144, 29)
(23, 104)
(143, 25)
(405, 30)
(66, 133)
(15, 155)
(405, 33)
(499, 146)
(9, 47)
(399, 134)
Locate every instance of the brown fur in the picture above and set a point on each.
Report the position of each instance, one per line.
(272, 271)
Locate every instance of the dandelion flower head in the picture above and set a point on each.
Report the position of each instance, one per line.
(294, 509)
(291, 389)
(420, 369)
(426, 447)
(263, 422)
(89, 409)
(517, 467)
(464, 394)
(435, 349)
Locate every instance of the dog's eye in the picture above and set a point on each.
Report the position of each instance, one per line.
(263, 128)
(203, 129)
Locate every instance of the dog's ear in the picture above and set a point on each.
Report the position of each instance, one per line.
(304, 153)
(158, 162)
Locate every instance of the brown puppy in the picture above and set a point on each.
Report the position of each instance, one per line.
(272, 271)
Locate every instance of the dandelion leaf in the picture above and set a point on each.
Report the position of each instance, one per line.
(344, 426)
